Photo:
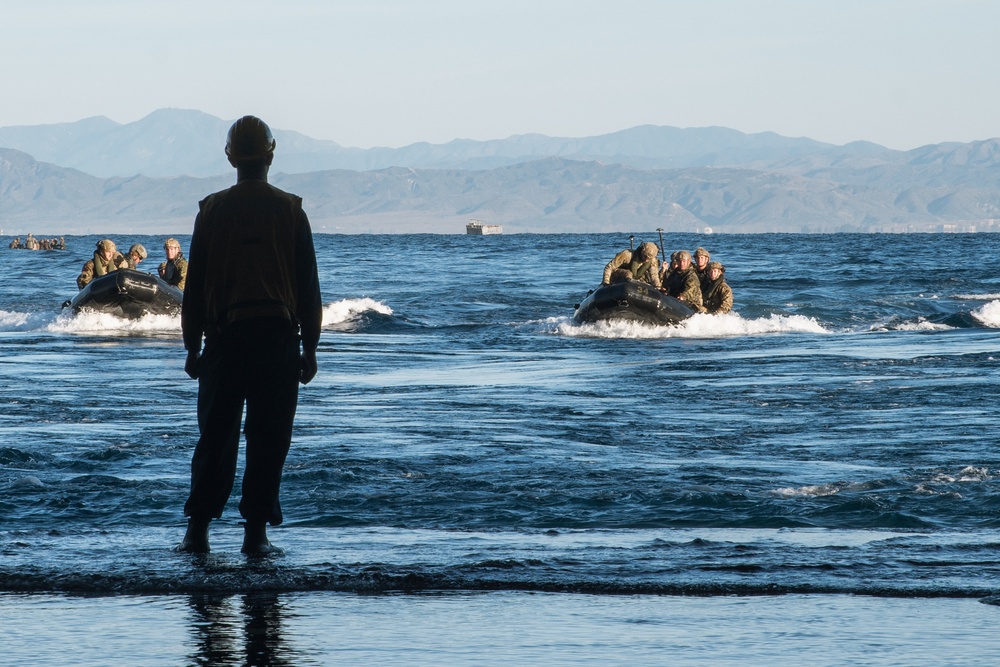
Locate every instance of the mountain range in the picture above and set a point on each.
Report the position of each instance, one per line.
(96, 175)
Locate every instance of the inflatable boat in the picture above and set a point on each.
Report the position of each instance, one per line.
(633, 301)
(128, 294)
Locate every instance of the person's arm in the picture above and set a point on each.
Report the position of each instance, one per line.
(193, 313)
(654, 274)
(181, 265)
(621, 258)
(727, 299)
(692, 293)
(309, 301)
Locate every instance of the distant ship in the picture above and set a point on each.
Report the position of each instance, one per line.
(477, 227)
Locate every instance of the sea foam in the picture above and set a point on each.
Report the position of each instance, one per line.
(697, 326)
(989, 314)
(350, 309)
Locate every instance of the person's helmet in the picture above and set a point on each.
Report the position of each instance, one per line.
(249, 139)
(648, 250)
(106, 244)
(139, 250)
(171, 243)
(701, 252)
(682, 255)
(716, 265)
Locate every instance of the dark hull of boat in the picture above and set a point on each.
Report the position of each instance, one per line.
(632, 301)
(128, 294)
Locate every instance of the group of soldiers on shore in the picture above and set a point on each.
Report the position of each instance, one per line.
(696, 280)
(31, 243)
(107, 259)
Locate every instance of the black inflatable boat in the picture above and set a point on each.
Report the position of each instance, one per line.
(633, 301)
(129, 294)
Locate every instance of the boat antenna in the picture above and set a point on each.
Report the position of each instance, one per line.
(631, 242)
(663, 251)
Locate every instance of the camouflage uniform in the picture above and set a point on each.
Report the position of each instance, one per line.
(683, 284)
(174, 271)
(99, 266)
(86, 274)
(718, 296)
(646, 271)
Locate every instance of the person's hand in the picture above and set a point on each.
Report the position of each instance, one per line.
(191, 364)
(307, 368)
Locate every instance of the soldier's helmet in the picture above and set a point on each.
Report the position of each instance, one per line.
(682, 255)
(139, 250)
(701, 252)
(249, 139)
(105, 245)
(171, 243)
(648, 250)
(716, 265)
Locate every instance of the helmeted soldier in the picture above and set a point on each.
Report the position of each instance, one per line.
(106, 260)
(136, 254)
(641, 262)
(717, 296)
(174, 270)
(700, 261)
(683, 283)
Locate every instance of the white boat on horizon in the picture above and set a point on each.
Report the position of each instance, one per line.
(478, 228)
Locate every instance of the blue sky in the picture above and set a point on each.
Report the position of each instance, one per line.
(902, 73)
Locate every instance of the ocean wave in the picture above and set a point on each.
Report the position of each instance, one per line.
(697, 326)
(371, 560)
(978, 297)
(347, 310)
(87, 323)
(15, 321)
(919, 325)
(966, 474)
(90, 323)
(809, 490)
(988, 314)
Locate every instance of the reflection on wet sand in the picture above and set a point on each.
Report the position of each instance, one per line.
(239, 630)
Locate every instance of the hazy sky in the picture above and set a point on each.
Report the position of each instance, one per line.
(902, 73)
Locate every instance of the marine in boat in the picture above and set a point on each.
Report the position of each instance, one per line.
(128, 294)
(632, 290)
(632, 301)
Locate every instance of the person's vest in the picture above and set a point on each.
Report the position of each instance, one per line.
(639, 268)
(171, 272)
(677, 282)
(712, 294)
(103, 266)
(248, 241)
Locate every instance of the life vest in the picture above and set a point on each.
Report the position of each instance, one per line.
(175, 271)
(248, 243)
(103, 266)
(639, 268)
(713, 294)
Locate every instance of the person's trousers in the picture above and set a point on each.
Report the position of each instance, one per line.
(253, 363)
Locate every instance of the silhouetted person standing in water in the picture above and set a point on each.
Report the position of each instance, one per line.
(253, 294)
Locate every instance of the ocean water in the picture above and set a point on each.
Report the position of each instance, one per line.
(477, 479)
